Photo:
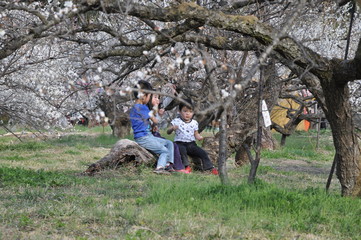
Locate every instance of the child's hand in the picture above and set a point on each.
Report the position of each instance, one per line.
(172, 128)
(161, 112)
(155, 128)
(198, 137)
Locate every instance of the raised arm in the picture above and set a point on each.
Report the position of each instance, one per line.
(171, 129)
(198, 136)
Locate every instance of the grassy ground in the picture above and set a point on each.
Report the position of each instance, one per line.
(44, 197)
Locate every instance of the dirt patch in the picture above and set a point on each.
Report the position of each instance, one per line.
(301, 166)
(303, 169)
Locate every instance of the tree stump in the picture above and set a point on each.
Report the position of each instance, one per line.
(123, 152)
(211, 146)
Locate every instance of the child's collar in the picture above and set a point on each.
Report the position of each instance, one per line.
(185, 120)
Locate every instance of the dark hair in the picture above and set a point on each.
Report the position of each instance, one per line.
(149, 104)
(188, 104)
(142, 85)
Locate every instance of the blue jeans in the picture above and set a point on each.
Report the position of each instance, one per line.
(160, 146)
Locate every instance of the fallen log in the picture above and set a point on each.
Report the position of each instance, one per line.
(123, 152)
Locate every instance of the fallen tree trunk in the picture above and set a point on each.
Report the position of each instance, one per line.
(123, 152)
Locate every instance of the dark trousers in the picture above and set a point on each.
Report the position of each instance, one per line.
(191, 149)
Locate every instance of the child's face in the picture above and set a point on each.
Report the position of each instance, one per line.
(155, 100)
(186, 113)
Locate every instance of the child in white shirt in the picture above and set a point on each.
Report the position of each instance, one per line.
(186, 134)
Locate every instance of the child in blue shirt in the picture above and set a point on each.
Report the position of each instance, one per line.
(139, 117)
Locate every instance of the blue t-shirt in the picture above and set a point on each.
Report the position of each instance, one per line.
(139, 117)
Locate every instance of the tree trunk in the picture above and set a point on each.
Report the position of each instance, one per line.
(120, 125)
(243, 153)
(222, 158)
(241, 158)
(123, 152)
(115, 109)
(268, 141)
(283, 139)
(344, 138)
(255, 162)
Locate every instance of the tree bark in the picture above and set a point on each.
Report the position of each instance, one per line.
(344, 137)
(241, 158)
(123, 152)
(255, 162)
(222, 158)
(117, 114)
(283, 139)
(120, 125)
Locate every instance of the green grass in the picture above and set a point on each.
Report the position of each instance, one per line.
(83, 141)
(20, 176)
(43, 196)
(247, 207)
(32, 145)
(96, 129)
(302, 145)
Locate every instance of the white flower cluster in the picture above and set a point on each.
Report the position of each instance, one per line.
(224, 93)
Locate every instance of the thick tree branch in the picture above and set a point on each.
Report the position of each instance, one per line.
(164, 37)
(246, 25)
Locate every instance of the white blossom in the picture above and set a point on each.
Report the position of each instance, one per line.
(159, 60)
(68, 4)
(179, 60)
(224, 93)
(171, 66)
(2, 33)
(152, 38)
(186, 61)
(140, 95)
(96, 78)
(238, 87)
(140, 74)
(109, 92)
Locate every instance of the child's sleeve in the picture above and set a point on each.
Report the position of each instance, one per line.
(195, 125)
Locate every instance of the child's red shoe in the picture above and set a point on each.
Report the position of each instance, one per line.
(182, 171)
(188, 169)
(214, 171)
